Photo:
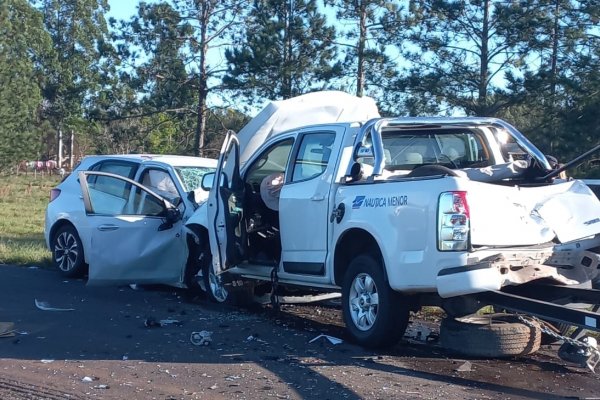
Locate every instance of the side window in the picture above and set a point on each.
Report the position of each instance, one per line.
(160, 182)
(123, 168)
(273, 160)
(313, 156)
(115, 187)
(106, 200)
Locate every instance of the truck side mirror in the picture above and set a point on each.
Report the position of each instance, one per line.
(207, 181)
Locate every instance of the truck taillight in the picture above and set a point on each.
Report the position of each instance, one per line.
(453, 221)
(54, 193)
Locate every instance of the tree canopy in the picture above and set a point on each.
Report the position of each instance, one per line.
(176, 75)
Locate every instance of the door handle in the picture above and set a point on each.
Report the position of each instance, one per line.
(318, 197)
(107, 228)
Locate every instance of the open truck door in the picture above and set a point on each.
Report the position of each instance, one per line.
(226, 210)
(136, 235)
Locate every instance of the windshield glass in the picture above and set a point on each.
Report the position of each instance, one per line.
(457, 148)
(191, 177)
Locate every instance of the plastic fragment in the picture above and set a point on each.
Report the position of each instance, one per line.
(465, 367)
(44, 306)
(332, 339)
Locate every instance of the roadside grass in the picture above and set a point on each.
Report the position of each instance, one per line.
(23, 201)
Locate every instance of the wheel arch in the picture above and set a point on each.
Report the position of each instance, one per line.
(57, 226)
(350, 244)
(196, 234)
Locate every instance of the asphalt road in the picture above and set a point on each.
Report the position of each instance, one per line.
(103, 349)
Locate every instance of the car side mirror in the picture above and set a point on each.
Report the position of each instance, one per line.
(172, 215)
(207, 181)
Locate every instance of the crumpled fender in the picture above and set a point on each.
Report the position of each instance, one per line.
(199, 217)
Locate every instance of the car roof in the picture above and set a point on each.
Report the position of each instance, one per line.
(174, 160)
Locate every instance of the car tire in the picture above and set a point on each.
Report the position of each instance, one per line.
(374, 314)
(495, 335)
(67, 252)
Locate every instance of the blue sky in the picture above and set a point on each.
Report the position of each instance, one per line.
(122, 9)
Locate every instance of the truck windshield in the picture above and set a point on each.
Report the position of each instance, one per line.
(457, 148)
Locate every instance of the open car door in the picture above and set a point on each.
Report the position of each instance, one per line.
(135, 234)
(226, 210)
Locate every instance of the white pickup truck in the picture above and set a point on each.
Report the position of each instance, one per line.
(396, 212)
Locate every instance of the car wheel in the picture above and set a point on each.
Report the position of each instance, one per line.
(495, 335)
(215, 289)
(374, 314)
(67, 252)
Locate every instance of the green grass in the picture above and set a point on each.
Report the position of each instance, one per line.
(23, 200)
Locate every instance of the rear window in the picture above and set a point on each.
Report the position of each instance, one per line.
(457, 148)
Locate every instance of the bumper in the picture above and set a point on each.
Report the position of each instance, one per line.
(495, 272)
(475, 278)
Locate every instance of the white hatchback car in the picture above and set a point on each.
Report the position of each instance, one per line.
(123, 217)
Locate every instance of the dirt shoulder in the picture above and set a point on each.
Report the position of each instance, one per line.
(102, 349)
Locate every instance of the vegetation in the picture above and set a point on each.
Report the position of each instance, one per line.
(23, 200)
(174, 77)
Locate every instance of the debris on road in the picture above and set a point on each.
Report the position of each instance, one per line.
(332, 339)
(153, 323)
(44, 306)
(465, 367)
(255, 338)
(7, 329)
(202, 338)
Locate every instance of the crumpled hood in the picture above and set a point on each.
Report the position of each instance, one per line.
(309, 109)
(521, 216)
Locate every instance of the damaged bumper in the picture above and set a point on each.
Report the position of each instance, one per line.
(559, 265)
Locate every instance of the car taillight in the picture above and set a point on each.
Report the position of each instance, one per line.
(453, 221)
(54, 193)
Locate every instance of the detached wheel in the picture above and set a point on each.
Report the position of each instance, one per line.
(496, 335)
(374, 314)
(67, 252)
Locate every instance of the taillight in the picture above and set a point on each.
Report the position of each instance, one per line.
(54, 193)
(453, 221)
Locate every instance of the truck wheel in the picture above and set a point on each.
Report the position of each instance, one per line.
(215, 289)
(496, 335)
(373, 313)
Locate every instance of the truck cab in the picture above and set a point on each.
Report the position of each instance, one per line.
(397, 213)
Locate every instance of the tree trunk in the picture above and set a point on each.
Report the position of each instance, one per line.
(199, 137)
(483, 69)
(360, 74)
(554, 60)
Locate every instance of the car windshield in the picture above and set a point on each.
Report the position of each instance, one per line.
(192, 176)
(459, 148)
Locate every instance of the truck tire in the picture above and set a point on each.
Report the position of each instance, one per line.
(496, 335)
(374, 314)
(216, 291)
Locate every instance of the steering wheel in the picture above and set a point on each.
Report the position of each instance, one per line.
(447, 157)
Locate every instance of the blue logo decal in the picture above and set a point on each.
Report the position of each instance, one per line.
(358, 201)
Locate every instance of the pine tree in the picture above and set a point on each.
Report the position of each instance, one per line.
(78, 30)
(286, 50)
(175, 77)
(366, 61)
(460, 52)
(23, 43)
